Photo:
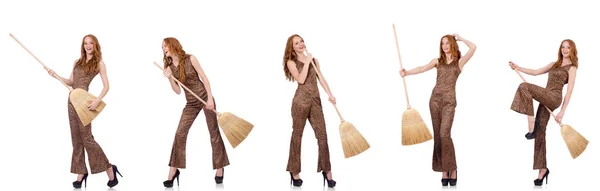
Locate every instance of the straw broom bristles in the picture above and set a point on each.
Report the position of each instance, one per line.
(80, 100)
(576, 143)
(414, 129)
(353, 143)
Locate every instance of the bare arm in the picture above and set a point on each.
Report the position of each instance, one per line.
(104, 77)
(423, 68)
(464, 59)
(322, 80)
(68, 81)
(202, 76)
(105, 87)
(174, 85)
(535, 72)
(299, 76)
(572, 75)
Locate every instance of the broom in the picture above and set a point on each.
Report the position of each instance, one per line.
(414, 129)
(79, 98)
(576, 143)
(235, 128)
(353, 143)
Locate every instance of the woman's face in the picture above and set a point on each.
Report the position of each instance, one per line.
(445, 45)
(88, 45)
(565, 48)
(298, 45)
(165, 49)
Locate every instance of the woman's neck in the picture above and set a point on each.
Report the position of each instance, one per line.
(566, 61)
(175, 60)
(449, 58)
(300, 56)
(88, 57)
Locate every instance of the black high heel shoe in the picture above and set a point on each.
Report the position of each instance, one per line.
(169, 183)
(445, 180)
(77, 184)
(330, 183)
(295, 182)
(539, 182)
(115, 181)
(219, 179)
(453, 181)
(531, 135)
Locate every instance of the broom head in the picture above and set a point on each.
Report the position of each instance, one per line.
(235, 129)
(575, 141)
(81, 99)
(353, 142)
(414, 129)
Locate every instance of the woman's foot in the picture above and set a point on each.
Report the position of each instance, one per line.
(112, 176)
(80, 179)
(445, 178)
(453, 178)
(530, 135)
(219, 176)
(543, 174)
(328, 177)
(532, 125)
(173, 174)
(295, 179)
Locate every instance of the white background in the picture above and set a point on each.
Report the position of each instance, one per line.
(240, 45)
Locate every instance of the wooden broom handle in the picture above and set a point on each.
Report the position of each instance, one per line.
(36, 58)
(184, 87)
(400, 60)
(335, 106)
(551, 113)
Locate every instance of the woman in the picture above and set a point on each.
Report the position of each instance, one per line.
(306, 105)
(84, 70)
(443, 102)
(188, 71)
(560, 72)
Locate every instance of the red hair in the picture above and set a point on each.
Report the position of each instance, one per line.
(92, 65)
(572, 54)
(290, 54)
(454, 51)
(176, 50)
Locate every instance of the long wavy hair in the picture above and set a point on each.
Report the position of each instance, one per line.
(290, 54)
(572, 54)
(454, 51)
(176, 50)
(90, 66)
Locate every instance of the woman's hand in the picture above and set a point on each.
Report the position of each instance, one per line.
(403, 72)
(458, 38)
(94, 105)
(514, 66)
(559, 117)
(332, 99)
(167, 72)
(309, 58)
(210, 105)
(51, 73)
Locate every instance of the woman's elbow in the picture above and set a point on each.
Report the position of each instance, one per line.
(473, 48)
(176, 90)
